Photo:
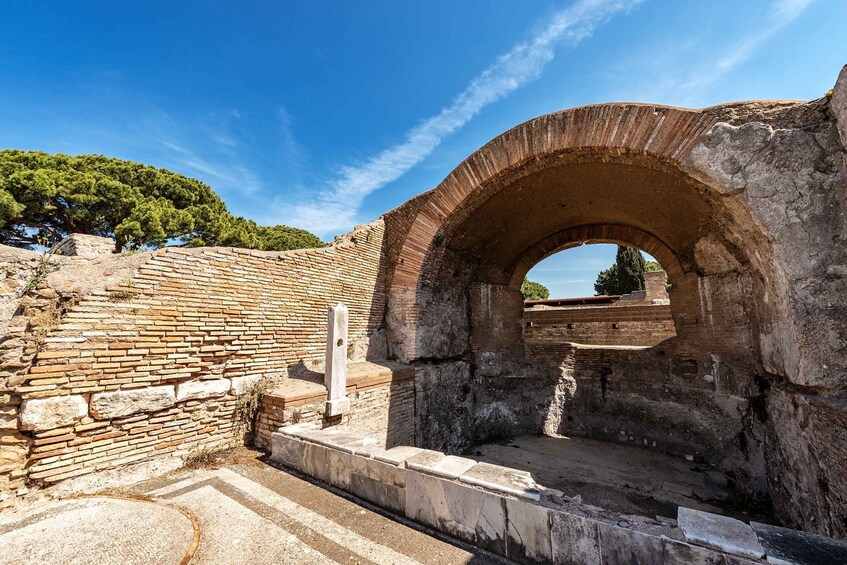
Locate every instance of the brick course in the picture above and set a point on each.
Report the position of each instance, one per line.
(184, 315)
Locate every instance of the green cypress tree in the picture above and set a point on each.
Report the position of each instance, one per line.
(625, 276)
(630, 263)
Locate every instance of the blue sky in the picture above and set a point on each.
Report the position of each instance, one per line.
(325, 114)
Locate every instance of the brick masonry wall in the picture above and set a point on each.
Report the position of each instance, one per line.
(154, 366)
(643, 325)
(384, 412)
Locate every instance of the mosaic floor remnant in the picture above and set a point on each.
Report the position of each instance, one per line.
(247, 514)
(101, 530)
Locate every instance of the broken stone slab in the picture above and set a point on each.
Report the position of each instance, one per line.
(240, 385)
(198, 390)
(791, 547)
(436, 463)
(719, 532)
(398, 455)
(502, 479)
(41, 414)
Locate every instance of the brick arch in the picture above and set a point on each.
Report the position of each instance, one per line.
(574, 237)
(603, 133)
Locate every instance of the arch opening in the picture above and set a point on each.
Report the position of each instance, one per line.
(688, 395)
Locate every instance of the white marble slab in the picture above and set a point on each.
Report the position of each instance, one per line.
(719, 532)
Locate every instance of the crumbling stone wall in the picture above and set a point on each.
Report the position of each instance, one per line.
(743, 204)
(145, 356)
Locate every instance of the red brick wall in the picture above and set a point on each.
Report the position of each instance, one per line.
(188, 315)
(644, 325)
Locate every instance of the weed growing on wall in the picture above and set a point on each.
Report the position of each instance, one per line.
(247, 411)
(40, 270)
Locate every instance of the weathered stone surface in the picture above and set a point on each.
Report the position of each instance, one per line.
(386, 473)
(336, 407)
(341, 465)
(335, 372)
(503, 479)
(340, 440)
(197, 390)
(681, 553)
(575, 540)
(398, 455)
(791, 547)
(449, 466)
(41, 414)
(240, 385)
(386, 496)
(444, 405)
(457, 510)
(287, 450)
(719, 532)
(315, 462)
(120, 403)
(623, 546)
(838, 103)
(296, 429)
(529, 530)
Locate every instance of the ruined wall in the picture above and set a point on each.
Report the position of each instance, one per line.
(381, 407)
(743, 203)
(643, 325)
(148, 354)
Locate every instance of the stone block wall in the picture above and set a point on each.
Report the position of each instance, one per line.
(151, 361)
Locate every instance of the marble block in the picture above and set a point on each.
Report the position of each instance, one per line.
(575, 540)
(447, 466)
(528, 532)
(502, 479)
(719, 532)
(621, 546)
(398, 455)
(457, 510)
(681, 553)
(791, 547)
(287, 450)
(297, 429)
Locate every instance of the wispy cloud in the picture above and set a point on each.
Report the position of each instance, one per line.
(208, 148)
(685, 70)
(782, 13)
(336, 207)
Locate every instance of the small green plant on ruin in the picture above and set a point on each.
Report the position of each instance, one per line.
(247, 411)
(42, 268)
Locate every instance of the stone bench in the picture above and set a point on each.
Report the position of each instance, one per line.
(505, 511)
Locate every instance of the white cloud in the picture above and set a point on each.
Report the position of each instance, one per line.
(681, 72)
(336, 207)
(782, 13)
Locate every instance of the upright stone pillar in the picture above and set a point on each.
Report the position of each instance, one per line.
(335, 376)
